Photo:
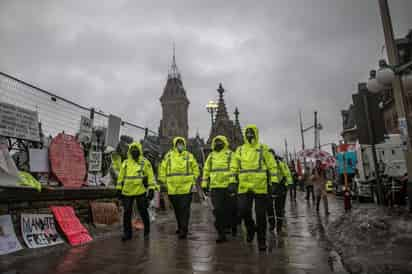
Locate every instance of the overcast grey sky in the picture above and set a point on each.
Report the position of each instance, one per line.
(273, 57)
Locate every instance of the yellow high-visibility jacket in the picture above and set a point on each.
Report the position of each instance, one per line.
(132, 173)
(253, 163)
(178, 171)
(217, 172)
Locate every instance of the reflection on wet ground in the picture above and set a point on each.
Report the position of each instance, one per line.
(304, 249)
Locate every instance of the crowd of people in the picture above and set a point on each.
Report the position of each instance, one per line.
(252, 176)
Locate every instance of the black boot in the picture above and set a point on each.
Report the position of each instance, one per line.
(262, 245)
(250, 235)
(271, 223)
(221, 238)
(126, 238)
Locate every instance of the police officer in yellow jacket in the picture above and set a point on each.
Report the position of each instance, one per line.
(257, 173)
(280, 193)
(135, 182)
(179, 171)
(218, 177)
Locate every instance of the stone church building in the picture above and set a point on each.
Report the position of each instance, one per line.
(174, 122)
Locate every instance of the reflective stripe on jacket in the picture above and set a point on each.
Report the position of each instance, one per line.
(217, 172)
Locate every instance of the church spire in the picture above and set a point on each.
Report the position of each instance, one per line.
(221, 113)
(174, 71)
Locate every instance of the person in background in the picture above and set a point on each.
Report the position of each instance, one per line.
(308, 185)
(319, 181)
(218, 177)
(179, 172)
(115, 163)
(135, 182)
(293, 185)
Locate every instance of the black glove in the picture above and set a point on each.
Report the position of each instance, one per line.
(275, 189)
(270, 189)
(232, 188)
(145, 182)
(119, 193)
(150, 194)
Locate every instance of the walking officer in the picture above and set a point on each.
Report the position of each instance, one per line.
(218, 177)
(285, 180)
(179, 171)
(135, 182)
(254, 164)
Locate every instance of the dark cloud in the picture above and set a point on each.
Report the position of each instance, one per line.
(273, 57)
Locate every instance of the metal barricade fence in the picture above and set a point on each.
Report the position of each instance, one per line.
(56, 113)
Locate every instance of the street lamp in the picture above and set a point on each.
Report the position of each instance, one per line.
(211, 108)
(384, 77)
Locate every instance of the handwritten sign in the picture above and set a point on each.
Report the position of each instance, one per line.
(95, 161)
(18, 122)
(67, 161)
(85, 133)
(39, 230)
(8, 240)
(105, 213)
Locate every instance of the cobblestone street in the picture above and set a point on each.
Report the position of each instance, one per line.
(304, 250)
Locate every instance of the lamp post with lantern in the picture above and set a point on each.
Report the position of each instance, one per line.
(211, 107)
(399, 77)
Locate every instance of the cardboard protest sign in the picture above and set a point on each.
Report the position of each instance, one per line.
(39, 230)
(105, 213)
(67, 161)
(18, 122)
(8, 240)
(86, 126)
(75, 232)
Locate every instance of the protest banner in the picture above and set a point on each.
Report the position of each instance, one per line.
(67, 161)
(68, 222)
(39, 230)
(18, 122)
(8, 240)
(105, 213)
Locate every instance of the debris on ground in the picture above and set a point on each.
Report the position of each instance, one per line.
(374, 240)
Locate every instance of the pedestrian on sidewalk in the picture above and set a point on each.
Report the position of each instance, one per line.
(219, 179)
(253, 164)
(179, 172)
(293, 185)
(135, 182)
(319, 181)
(308, 185)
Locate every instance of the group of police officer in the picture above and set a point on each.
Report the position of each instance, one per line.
(234, 181)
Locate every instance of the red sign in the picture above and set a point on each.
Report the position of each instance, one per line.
(67, 161)
(75, 232)
(346, 147)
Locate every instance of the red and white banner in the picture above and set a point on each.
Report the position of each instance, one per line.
(75, 232)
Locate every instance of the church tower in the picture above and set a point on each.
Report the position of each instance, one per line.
(174, 109)
(223, 125)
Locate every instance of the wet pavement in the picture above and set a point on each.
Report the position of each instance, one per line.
(304, 250)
